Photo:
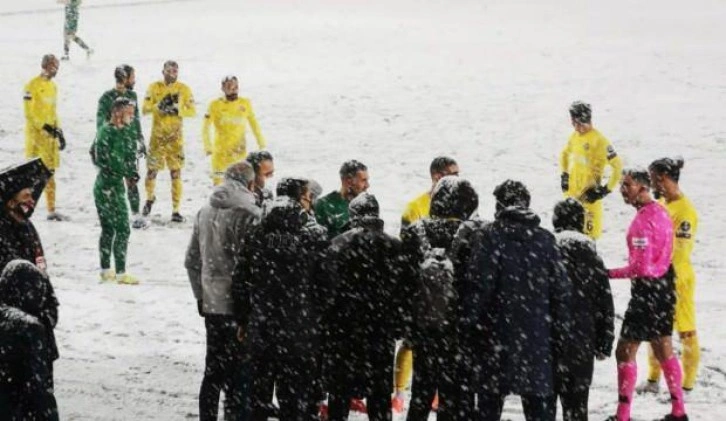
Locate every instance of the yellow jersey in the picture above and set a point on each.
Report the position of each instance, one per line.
(230, 119)
(584, 159)
(165, 127)
(685, 225)
(416, 209)
(40, 104)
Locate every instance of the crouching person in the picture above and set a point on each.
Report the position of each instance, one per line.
(592, 331)
(275, 288)
(27, 303)
(213, 252)
(367, 271)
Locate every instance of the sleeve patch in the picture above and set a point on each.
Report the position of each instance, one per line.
(611, 152)
(640, 242)
(684, 230)
(27, 96)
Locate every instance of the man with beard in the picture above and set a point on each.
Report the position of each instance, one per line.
(264, 167)
(169, 102)
(367, 275)
(331, 210)
(516, 314)
(276, 288)
(125, 80)
(43, 134)
(229, 115)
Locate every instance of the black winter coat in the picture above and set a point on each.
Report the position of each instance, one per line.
(592, 328)
(25, 371)
(516, 307)
(367, 272)
(18, 240)
(276, 286)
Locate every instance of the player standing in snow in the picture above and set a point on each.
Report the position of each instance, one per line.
(125, 79)
(70, 27)
(212, 256)
(416, 209)
(229, 115)
(367, 272)
(276, 288)
(331, 210)
(168, 101)
(264, 167)
(583, 162)
(516, 308)
(664, 174)
(43, 134)
(435, 301)
(115, 151)
(592, 310)
(649, 317)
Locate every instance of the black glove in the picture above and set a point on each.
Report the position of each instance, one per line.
(565, 181)
(199, 308)
(593, 194)
(51, 130)
(61, 139)
(169, 105)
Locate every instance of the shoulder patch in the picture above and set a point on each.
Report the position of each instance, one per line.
(611, 152)
(684, 230)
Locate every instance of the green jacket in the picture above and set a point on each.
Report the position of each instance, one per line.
(331, 211)
(115, 152)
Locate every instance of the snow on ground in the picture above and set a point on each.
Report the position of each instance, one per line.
(391, 83)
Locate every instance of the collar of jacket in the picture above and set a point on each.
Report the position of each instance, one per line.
(518, 215)
(367, 222)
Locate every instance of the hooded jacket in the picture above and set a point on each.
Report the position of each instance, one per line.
(18, 240)
(27, 344)
(277, 283)
(216, 244)
(516, 305)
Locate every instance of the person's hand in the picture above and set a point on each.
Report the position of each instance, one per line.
(593, 194)
(240, 334)
(601, 357)
(565, 181)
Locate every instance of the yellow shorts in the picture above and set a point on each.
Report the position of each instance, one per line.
(593, 219)
(44, 147)
(165, 155)
(685, 319)
(223, 159)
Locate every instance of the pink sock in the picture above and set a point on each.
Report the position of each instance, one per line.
(627, 376)
(674, 377)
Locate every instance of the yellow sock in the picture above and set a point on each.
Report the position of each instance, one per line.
(654, 369)
(150, 185)
(176, 193)
(689, 359)
(404, 368)
(50, 194)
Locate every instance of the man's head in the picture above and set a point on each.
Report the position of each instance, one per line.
(664, 174)
(442, 166)
(453, 197)
(263, 165)
(364, 206)
(122, 111)
(241, 172)
(50, 64)
(581, 116)
(22, 285)
(170, 71)
(353, 179)
(296, 188)
(635, 186)
(125, 76)
(230, 87)
(569, 215)
(18, 202)
(511, 194)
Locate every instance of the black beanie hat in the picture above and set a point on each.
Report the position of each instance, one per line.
(569, 215)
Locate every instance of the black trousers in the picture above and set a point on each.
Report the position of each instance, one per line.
(536, 408)
(225, 370)
(574, 405)
(294, 381)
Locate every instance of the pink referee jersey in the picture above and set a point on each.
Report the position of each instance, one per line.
(650, 244)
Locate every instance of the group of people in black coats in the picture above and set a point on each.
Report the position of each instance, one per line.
(491, 308)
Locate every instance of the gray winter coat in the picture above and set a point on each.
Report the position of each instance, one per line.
(215, 247)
